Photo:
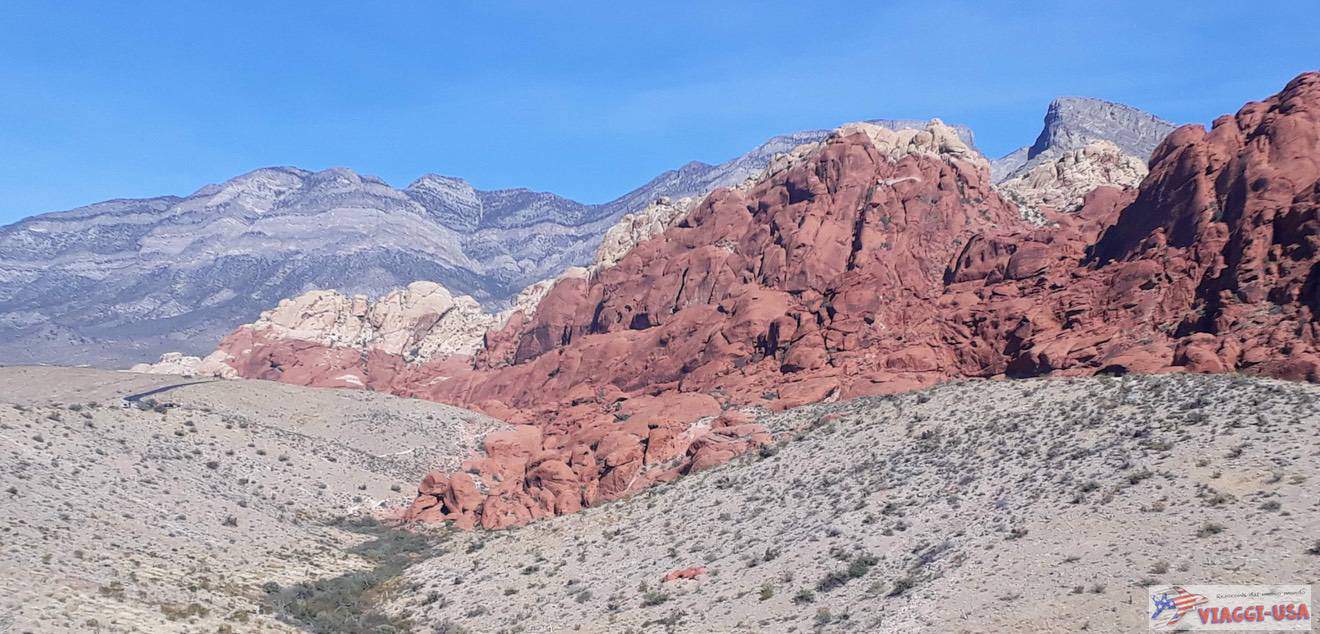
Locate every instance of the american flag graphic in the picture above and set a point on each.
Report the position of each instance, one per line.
(1172, 604)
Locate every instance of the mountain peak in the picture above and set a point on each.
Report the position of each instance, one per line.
(1073, 122)
(437, 182)
(254, 179)
(451, 200)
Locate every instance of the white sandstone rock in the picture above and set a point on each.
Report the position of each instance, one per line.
(1063, 183)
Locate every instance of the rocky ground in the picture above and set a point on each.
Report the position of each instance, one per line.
(1040, 505)
(980, 506)
(177, 513)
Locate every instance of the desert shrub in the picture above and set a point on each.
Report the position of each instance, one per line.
(175, 612)
(654, 597)
(349, 602)
(902, 585)
(861, 565)
(831, 580)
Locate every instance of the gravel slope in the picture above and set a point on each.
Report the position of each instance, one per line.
(126, 519)
(1041, 505)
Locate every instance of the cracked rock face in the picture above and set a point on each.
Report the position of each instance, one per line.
(1062, 184)
(740, 281)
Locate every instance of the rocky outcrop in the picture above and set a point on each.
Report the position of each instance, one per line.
(538, 471)
(613, 416)
(170, 363)
(776, 290)
(1211, 266)
(632, 229)
(416, 323)
(1072, 123)
(872, 262)
(878, 263)
(122, 281)
(1062, 184)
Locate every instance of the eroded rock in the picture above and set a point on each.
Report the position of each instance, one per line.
(876, 262)
(1063, 183)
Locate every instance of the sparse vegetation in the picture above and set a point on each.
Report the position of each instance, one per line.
(350, 602)
(936, 487)
(653, 597)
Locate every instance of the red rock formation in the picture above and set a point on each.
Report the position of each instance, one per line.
(1213, 267)
(685, 573)
(874, 264)
(787, 287)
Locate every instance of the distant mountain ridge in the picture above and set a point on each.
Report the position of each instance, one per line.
(125, 280)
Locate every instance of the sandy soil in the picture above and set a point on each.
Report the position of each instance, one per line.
(1043, 505)
(172, 514)
(1024, 506)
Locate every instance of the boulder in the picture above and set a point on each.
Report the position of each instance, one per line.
(684, 573)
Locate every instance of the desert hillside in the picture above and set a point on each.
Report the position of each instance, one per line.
(171, 515)
(984, 506)
(1038, 505)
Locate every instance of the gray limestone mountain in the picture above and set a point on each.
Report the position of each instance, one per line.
(123, 281)
(128, 279)
(1071, 123)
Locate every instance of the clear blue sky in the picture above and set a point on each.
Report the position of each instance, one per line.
(586, 99)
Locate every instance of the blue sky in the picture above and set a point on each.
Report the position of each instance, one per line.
(586, 99)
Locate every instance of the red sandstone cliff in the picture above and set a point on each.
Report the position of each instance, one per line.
(876, 262)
